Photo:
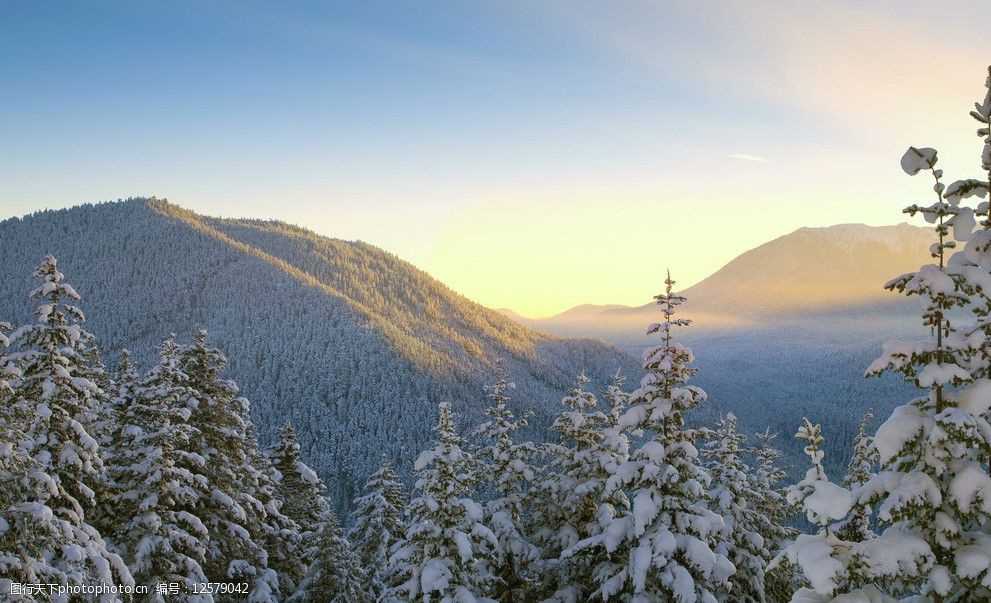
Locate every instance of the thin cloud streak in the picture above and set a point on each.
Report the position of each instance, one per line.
(746, 157)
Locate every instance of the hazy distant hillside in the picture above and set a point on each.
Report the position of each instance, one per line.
(786, 330)
(836, 271)
(815, 268)
(353, 345)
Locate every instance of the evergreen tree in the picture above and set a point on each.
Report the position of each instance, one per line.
(303, 499)
(941, 440)
(119, 393)
(772, 512)
(49, 393)
(334, 574)
(278, 533)
(299, 487)
(124, 383)
(447, 551)
(857, 526)
(829, 567)
(102, 418)
(731, 494)
(572, 504)
(506, 468)
(377, 526)
(29, 531)
(160, 483)
(234, 517)
(662, 548)
(618, 399)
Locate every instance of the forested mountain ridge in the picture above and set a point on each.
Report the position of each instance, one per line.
(350, 343)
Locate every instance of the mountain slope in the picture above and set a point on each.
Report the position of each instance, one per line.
(815, 269)
(353, 345)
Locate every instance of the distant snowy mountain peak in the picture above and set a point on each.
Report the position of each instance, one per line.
(813, 269)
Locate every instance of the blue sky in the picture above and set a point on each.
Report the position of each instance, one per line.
(534, 155)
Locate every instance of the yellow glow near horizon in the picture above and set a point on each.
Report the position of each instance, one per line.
(550, 155)
(539, 260)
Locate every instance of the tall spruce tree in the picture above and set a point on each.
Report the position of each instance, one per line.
(50, 397)
(238, 522)
(731, 495)
(940, 442)
(33, 540)
(377, 526)
(303, 501)
(298, 485)
(335, 574)
(124, 383)
(506, 472)
(828, 567)
(160, 483)
(571, 505)
(447, 552)
(773, 512)
(29, 531)
(596, 465)
(279, 534)
(857, 525)
(663, 547)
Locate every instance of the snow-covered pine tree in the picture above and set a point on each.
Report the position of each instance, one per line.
(124, 383)
(828, 567)
(934, 451)
(119, 392)
(29, 531)
(377, 526)
(772, 512)
(662, 548)
(973, 263)
(50, 394)
(279, 534)
(447, 551)
(234, 517)
(160, 483)
(506, 474)
(302, 494)
(857, 525)
(731, 495)
(571, 507)
(298, 486)
(335, 574)
(618, 398)
(102, 416)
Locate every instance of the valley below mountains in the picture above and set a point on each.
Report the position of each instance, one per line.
(787, 329)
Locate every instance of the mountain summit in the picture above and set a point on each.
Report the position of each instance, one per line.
(353, 345)
(811, 271)
(815, 268)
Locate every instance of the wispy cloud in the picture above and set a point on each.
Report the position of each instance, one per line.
(746, 157)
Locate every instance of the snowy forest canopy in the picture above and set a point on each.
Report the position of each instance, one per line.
(126, 481)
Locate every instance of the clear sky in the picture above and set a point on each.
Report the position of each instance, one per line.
(532, 155)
